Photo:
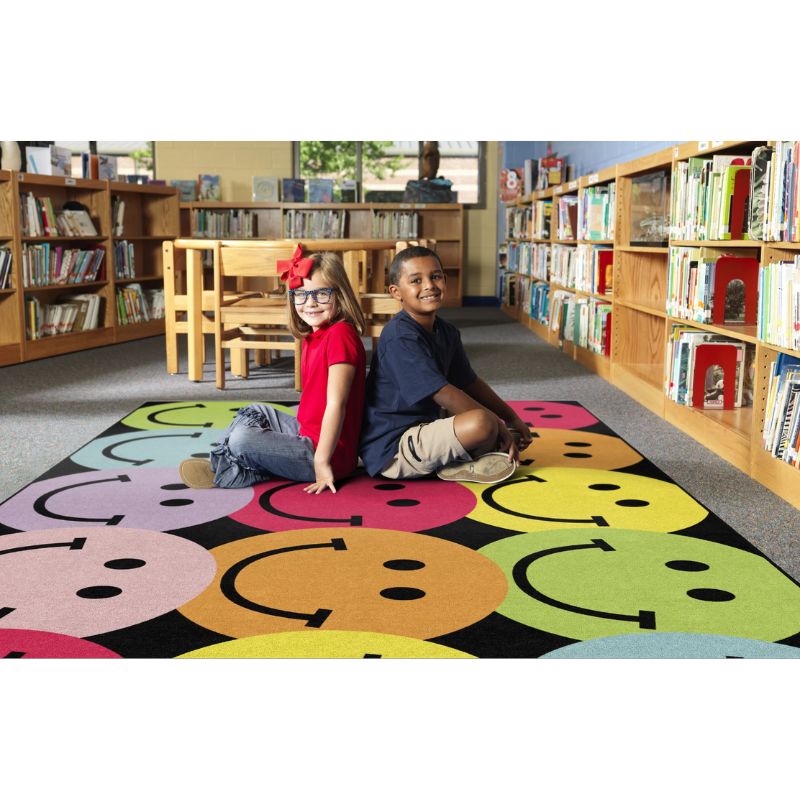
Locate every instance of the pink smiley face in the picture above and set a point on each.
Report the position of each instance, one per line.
(360, 502)
(548, 414)
(43, 644)
(85, 581)
(141, 497)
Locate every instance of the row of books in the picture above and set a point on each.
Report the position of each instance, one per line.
(233, 223)
(691, 285)
(124, 259)
(271, 189)
(137, 305)
(519, 222)
(682, 374)
(39, 218)
(117, 215)
(594, 266)
(45, 265)
(781, 196)
(779, 303)
(299, 224)
(562, 267)
(5, 268)
(70, 314)
(567, 217)
(529, 222)
(596, 212)
(711, 197)
(395, 225)
(781, 435)
(539, 306)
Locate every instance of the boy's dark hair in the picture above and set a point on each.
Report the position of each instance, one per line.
(396, 267)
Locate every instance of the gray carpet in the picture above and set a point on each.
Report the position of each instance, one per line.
(52, 407)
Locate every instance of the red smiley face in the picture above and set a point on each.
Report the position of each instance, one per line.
(360, 502)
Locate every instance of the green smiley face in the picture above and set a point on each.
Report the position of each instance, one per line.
(553, 497)
(202, 414)
(584, 584)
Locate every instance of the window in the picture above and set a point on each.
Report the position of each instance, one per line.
(133, 158)
(382, 169)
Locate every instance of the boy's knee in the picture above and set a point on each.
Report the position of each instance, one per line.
(476, 427)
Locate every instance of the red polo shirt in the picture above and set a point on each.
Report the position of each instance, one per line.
(332, 344)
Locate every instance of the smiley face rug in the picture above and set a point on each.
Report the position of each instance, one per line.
(587, 551)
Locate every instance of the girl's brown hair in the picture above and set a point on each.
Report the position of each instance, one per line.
(330, 268)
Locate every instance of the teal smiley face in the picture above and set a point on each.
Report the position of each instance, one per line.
(585, 584)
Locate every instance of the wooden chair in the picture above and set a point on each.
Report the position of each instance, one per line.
(189, 307)
(250, 323)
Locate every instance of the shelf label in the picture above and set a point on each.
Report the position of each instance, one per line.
(69, 181)
(593, 178)
(560, 189)
(702, 146)
(420, 205)
(675, 151)
(573, 185)
(406, 205)
(718, 143)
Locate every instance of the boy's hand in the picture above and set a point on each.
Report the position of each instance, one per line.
(324, 480)
(507, 444)
(525, 437)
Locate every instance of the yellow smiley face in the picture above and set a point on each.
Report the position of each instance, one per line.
(552, 497)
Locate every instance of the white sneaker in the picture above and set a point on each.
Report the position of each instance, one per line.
(488, 468)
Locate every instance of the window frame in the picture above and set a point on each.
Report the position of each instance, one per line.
(480, 204)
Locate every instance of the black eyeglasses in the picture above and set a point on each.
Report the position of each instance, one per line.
(321, 296)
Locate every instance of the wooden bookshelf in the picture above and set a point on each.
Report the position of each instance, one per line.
(641, 326)
(597, 362)
(442, 222)
(151, 216)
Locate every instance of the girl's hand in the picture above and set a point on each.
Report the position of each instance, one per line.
(324, 480)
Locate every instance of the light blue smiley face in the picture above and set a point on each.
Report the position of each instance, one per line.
(674, 645)
(153, 448)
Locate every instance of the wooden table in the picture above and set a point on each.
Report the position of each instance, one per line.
(362, 263)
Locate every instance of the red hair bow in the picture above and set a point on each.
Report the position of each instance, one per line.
(293, 271)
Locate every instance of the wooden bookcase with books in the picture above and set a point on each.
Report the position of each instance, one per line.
(143, 217)
(641, 253)
(43, 247)
(11, 326)
(442, 222)
(61, 234)
(645, 319)
(564, 236)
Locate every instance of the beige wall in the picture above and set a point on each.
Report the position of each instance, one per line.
(480, 254)
(237, 162)
(234, 162)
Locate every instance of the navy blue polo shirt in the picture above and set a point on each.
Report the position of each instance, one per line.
(408, 367)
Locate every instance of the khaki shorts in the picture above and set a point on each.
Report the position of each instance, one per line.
(424, 448)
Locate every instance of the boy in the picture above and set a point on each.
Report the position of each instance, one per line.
(419, 368)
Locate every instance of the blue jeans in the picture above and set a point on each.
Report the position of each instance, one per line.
(262, 443)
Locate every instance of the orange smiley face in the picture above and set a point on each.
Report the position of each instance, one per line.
(356, 579)
(557, 447)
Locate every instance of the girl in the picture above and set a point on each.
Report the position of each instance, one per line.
(320, 444)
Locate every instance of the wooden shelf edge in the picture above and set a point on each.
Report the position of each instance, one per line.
(67, 343)
(778, 476)
(138, 330)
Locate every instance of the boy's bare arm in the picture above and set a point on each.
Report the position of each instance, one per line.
(454, 401)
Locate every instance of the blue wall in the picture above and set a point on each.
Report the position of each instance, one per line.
(587, 157)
